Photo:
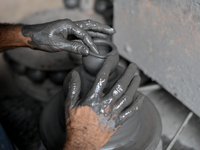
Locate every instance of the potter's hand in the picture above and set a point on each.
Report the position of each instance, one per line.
(92, 121)
(55, 36)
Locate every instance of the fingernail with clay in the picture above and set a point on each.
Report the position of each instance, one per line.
(113, 30)
(85, 51)
(96, 49)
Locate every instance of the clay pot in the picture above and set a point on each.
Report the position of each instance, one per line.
(93, 62)
(75, 58)
(58, 77)
(19, 68)
(71, 3)
(36, 76)
(101, 5)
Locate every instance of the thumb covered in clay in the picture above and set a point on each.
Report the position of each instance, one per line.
(72, 88)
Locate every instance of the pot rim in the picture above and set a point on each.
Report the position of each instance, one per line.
(104, 42)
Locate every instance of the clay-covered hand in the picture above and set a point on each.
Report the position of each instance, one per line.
(90, 122)
(56, 36)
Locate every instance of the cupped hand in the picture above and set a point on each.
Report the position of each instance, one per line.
(57, 35)
(90, 122)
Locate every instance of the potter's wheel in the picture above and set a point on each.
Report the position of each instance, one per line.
(146, 125)
(145, 135)
(140, 132)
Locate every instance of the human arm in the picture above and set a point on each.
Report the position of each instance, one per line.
(11, 37)
(91, 122)
(54, 36)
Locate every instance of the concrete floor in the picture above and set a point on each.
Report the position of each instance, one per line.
(173, 113)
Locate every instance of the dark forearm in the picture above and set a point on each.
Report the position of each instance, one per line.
(11, 37)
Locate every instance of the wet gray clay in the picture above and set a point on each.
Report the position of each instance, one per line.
(139, 132)
(93, 62)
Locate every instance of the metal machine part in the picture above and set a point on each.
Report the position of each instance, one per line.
(162, 38)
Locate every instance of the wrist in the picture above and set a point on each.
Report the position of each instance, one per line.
(26, 32)
(77, 140)
(11, 37)
(83, 130)
(74, 145)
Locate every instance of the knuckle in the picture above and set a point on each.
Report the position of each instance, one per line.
(121, 85)
(72, 85)
(122, 118)
(126, 101)
(85, 35)
(120, 88)
(115, 111)
(74, 45)
(80, 49)
(130, 112)
(102, 75)
(96, 24)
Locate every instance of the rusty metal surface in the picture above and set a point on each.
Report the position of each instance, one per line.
(49, 61)
(162, 37)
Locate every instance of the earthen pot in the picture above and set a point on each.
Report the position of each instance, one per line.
(36, 76)
(71, 3)
(93, 62)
